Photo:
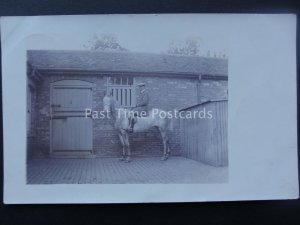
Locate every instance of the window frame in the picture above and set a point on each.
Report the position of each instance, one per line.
(124, 91)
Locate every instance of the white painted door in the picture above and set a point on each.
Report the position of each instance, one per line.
(71, 131)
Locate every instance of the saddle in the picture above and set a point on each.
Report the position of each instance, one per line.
(133, 120)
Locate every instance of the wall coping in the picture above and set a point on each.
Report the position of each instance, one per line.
(203, 103)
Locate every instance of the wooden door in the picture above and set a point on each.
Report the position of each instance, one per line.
(71, 131)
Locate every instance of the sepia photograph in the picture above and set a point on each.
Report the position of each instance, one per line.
(108, 114)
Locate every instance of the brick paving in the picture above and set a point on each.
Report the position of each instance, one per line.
(112, 171)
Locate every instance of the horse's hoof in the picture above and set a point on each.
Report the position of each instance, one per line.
(121, 159)
(163, 158)
(127, 160)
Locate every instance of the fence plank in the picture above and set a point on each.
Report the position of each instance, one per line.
(205, 140)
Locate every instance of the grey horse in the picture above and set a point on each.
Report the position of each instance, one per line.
(122, 120)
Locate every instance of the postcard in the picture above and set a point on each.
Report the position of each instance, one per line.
(149, 108)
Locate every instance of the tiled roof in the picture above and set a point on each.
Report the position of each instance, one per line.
(127, 62)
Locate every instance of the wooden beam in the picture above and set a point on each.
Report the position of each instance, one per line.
(31, 84)
(39, 76)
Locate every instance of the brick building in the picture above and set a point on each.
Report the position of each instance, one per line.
(62, 83)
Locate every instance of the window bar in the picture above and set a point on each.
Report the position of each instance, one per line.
(126, 97)
(121, 96)
(130, 96)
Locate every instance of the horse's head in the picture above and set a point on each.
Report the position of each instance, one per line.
(107, 103)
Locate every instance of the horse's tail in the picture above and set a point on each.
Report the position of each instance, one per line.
(170, 124)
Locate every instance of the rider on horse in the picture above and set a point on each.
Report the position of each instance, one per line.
(141, 108)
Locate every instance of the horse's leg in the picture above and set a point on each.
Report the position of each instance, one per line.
(123, 147)
(168, 149)
(165, 139)
(126, 142)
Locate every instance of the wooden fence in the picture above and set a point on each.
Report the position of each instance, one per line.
(205, 139)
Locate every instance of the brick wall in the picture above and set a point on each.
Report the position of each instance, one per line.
(31, 133)
(169, 93)
(165, 93)
(212, 90)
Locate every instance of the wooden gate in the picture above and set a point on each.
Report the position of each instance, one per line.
(205, 140)
(71, 131)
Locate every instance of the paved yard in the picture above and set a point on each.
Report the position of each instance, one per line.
(112, 171)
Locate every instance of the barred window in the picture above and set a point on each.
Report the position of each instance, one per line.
(122, 90)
